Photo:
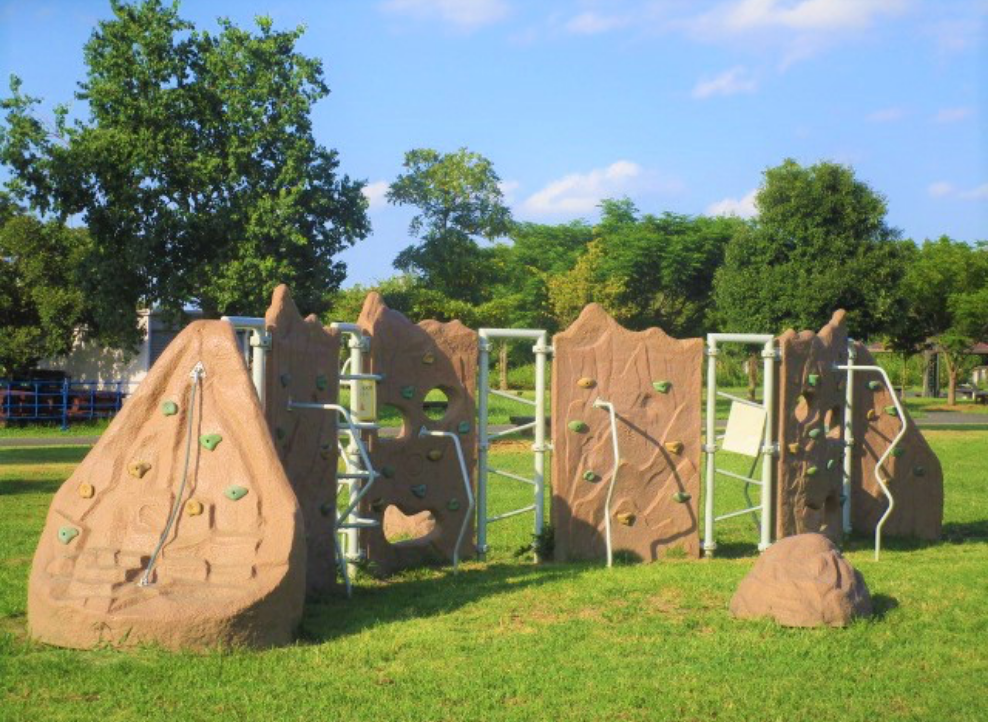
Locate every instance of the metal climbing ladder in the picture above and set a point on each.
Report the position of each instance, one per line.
(768, 448)
(542, 349)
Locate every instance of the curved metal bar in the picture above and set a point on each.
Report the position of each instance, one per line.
(466, 486)
(598, 404)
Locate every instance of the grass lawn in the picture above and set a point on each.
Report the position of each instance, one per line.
(506, 639)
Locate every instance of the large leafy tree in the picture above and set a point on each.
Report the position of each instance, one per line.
(41, 300)
(458, 198)
(820, 242)
(946, 288)
(196, 170)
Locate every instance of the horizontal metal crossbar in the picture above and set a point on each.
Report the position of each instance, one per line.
(738, 513)
(738, 399)
(509, 514)
(508, 474)
(512, 430)
(511, 397)
(739, 477)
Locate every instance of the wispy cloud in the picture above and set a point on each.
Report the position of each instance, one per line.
(730, 82)
(591, 23)
(740, 16)
(464, 15)
(886, 115)
(579, 193)
(943, 189)
(508, 188)
(976, 194)
(940, 189)
(952, 115)
(374, 193)
(743, 207)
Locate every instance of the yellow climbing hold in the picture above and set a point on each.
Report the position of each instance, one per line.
(434, 455)
(626, 518)
(138, 469)
(794, 448)
(428, 358)
(586, 383)
(86, 491)
(193, 507)
(872, 414)
(674, 447)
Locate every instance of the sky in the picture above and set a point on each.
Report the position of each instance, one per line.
(678, 104)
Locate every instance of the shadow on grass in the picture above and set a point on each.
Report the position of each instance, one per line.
(953, 533)
(881, 605)
(40, 455)
(416, 597)
(16, 486)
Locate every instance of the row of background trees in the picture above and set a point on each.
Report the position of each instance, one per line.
(195, 180)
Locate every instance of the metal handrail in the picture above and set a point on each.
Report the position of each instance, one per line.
(599, 404)
(466, 486)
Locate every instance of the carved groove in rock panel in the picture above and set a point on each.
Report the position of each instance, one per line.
(809, 479)
(303, 364)
(231, 575)
(653, 381)
(918, 496)
(425, 472)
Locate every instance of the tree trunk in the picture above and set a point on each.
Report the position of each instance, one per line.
(905, 374)
(953, 371)
(752, 375)
(502, 362)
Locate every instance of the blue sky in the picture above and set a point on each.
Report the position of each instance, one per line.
(678, 104)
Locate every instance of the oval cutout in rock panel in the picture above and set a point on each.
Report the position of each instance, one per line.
(393, 421)
(802, 410)
(832, 422)
(399, 527)
(436, 404)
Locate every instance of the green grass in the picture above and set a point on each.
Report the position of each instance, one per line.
(509, 640)
(76, 428)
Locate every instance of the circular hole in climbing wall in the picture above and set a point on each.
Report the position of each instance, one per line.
(436, 404)
(833, 422)
(802, 410)
(392, 420)
(399, 527)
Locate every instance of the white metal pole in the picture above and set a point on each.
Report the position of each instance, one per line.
(260, 342)
(769, 446)
(848, 438)
(483, 383)
(710, 447)
(541, 352)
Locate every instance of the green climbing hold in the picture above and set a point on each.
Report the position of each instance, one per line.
(662, 386)
(681, 497)
(285, 379)
(578, 426)
(875, 385)
(919, 471)
(419, 490)
(169, 408)
(898, 451)
(388, 472)
(816, 433)
(813, 379)
(453, 504)
(279, 433)
(407, 392)
(210, 441)
(326, 508)
(67, 534)
(831, 463)
(235, 493)
(812, 471)
(322, 383)
(891, 411)
(589, 476)
(464, 427)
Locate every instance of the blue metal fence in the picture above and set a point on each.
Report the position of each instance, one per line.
(42, 401)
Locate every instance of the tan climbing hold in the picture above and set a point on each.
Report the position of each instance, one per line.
(434, 455)
(86, 491)
(586, 383)
(138, 469)
(794, 448)
(428, 358)
(193, 507)
(674, 447)
(626, 518)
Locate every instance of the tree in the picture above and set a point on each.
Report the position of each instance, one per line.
(946, 287)
(820, 242)
(458, 197)
(41, 299)
(196, 170)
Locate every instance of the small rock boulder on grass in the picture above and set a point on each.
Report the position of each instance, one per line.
(803, 581)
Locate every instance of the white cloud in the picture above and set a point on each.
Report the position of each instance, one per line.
(886, 115)
(374, 193)
(952, 115)
(976, 194)
(463, 15)
(591, 23)
(508, 188)
(730, 82)
(741, 16)
(741, 207)
(940, 189)
(579, 193)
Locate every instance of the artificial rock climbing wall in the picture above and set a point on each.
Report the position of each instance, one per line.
(913, 470)
(420, 477)
(232, 569)
(303, 365)
(810, 417)
(653, 381)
